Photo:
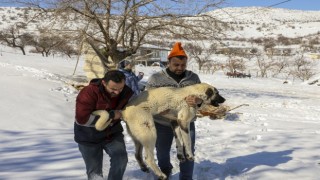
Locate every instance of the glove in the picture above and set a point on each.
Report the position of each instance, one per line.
(104, 120)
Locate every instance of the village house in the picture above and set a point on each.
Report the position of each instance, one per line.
(147, 55)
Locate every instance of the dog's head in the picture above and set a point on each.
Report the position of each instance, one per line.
(211, 95)
(215, 97)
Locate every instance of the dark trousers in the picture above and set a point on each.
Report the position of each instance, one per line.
(163, 146)
(93, 158)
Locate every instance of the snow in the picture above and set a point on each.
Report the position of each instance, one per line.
(276, 136)
(272, 22)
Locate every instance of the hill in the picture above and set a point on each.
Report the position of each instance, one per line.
(253, 22)
(244, 22)
(275, 137)
(273, 34)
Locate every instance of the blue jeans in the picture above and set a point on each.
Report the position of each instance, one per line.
(93, 158)
(163, 146)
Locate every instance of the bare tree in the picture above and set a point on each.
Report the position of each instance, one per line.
(212, 66)
(302, 68)
(234, 63)
(66, 49)
(265, 64)
(199, 54)
(120, 27)
(280, 65)
(15, 36)
(46, 43)
(269, 46)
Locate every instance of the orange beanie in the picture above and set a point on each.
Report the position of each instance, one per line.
(177, 50)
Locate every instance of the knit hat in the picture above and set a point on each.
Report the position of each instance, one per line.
(177, 50)
(122, 64)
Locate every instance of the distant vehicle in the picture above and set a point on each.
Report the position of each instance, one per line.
(238, 75)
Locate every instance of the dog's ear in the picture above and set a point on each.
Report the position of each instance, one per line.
(209, 93)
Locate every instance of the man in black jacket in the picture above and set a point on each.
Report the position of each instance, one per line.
(107, 94)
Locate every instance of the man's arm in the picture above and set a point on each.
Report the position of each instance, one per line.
(140, 76)
(85, 105)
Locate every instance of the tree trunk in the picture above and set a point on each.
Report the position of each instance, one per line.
(22, 49)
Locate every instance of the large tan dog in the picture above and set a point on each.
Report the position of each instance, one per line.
(138, 117)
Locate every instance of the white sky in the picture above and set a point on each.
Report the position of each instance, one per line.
(276, 136)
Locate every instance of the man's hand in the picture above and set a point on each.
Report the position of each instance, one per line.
(193, 100)
(106, 118)
(117, 114)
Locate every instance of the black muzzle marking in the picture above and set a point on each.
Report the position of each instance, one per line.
(217, 100)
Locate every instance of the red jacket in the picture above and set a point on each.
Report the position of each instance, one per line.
(94, 97)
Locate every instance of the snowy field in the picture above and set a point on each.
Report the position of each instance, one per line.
(276, 137)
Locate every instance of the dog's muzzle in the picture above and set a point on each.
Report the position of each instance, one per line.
(217, 100)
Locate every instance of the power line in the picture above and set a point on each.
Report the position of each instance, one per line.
(262, 9)
(279, 3)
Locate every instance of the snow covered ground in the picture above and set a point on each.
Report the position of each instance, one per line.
(276, 136)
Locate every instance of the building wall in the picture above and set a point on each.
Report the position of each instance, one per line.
(93, 66)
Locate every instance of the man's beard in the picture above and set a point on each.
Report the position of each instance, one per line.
(113, 95)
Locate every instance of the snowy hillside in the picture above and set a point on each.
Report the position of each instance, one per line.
(246, 22)
(263, 14)
(36, 20)
(253, 22)
(276, 137)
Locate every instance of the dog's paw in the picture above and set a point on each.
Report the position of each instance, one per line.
(181, 157)
(190, 158)
(145, 169)
(163, 177)
(103, 121)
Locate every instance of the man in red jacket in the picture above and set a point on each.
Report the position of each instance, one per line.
(110, 94)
